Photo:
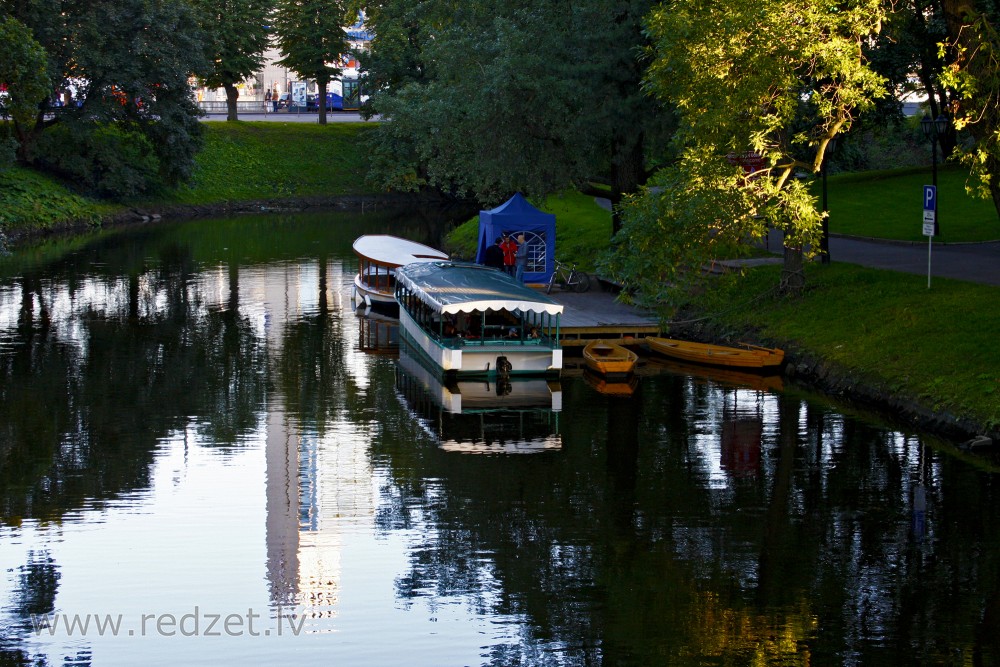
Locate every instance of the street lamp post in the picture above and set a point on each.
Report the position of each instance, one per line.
(934, 130)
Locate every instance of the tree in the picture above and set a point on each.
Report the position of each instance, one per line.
(494, 97)
(755, 84)
(312, 40)
(973, 75)
(128, 62)
(23, 64)
(236, 36)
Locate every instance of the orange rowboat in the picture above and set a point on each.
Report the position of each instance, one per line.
(609, 359)
(743, 355)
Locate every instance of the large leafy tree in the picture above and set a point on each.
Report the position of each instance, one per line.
(762, 84)
(23, 64)
(128, 62)
(236, 36)
(973, 74)
(312, 40)
(489, 97)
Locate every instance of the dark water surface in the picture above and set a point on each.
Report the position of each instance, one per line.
(207, 457)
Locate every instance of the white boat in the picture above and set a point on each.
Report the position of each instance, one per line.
(472, 320)
(379, 255)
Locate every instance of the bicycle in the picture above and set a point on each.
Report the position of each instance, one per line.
(569, 278)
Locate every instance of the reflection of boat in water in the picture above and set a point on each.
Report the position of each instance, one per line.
(741, 355)
(379, 255)
(623, 387)
(473, 321)
(482, 416)
(725, 376)
(378, 334)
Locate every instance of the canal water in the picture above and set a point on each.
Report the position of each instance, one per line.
(207, 456)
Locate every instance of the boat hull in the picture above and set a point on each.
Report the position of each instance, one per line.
(367, 297)
(480, 360)
(747, 357)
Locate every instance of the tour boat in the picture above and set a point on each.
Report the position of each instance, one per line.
(379, 255)
(742, 355)
(473, 320)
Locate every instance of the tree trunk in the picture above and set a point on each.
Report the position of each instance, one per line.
(232, 94)
(627, 171)
(793, 277)
(322, 101)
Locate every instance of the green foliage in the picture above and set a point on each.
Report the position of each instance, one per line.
(103, 160)
(310, 36)
(773, 81)
(235, 38)
(889, 329)
(974, 78)
(29, 200)
(489, 97)
(23, 68)
(129, 61)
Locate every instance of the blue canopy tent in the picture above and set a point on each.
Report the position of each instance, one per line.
(517, 216)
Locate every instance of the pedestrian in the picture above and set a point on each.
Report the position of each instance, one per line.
(494, 255)
(509, 247)
(520, 258)
(267, 101)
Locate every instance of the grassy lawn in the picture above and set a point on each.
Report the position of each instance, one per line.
(240, 161)
(937, 346)
(270, 160)
(889, 205)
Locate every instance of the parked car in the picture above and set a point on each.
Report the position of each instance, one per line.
(284, 99)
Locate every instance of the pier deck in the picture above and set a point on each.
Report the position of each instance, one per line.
(596, 314)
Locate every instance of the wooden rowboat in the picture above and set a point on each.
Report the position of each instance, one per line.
(743, 355)
(609, 359)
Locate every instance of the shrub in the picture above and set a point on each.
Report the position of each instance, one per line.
(103, 160)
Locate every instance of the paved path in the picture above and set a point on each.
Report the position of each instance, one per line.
(973, 262)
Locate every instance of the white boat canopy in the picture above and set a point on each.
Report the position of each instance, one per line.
(455, 287)
(393, 251)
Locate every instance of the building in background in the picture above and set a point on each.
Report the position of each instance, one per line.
(287, 90)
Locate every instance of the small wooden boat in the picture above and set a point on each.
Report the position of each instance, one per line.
(609, 359)
(743, 355)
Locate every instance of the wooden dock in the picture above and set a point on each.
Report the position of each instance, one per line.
(596, 314)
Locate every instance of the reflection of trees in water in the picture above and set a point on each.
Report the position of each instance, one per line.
(34, 594)
(84, 401)
(618, 551)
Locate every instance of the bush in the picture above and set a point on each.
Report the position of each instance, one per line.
(896, 143)
(103, 160)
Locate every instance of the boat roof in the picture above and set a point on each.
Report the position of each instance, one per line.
(393, 251)
(459, 287)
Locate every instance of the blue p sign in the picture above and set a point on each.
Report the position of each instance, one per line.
(930, 197)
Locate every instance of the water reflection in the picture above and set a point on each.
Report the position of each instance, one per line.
(503, 416)
(194, 416)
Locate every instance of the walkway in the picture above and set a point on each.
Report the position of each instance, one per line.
(972, 262)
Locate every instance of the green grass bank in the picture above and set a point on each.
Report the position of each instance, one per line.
(876, 331)
(245, 161)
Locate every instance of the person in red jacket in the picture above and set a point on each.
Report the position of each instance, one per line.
(509, 247)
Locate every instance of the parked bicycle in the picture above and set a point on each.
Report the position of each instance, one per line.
(569, 278)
